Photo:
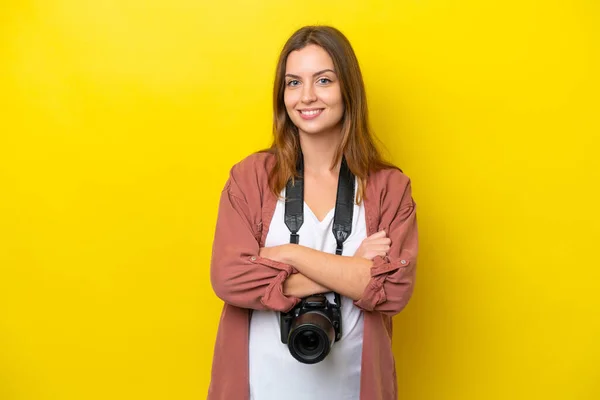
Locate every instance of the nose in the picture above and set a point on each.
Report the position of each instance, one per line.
(308, 94)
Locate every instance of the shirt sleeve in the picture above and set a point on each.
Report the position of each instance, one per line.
(393, 276)
(239, 276)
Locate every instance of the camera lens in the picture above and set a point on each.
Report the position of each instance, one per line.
(308, 341)
(311, 338)
(309, 344)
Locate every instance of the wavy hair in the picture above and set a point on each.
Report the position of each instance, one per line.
(358, 147)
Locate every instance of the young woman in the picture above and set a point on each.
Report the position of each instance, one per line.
(320, 130)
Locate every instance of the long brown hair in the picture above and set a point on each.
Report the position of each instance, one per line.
(357, 144)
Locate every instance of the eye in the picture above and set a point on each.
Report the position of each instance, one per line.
(324, 81)
(293, 82)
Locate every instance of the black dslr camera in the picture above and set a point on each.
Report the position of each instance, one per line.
(311, 328)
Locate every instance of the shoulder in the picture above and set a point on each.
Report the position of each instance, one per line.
(390, 184)
(389, 176)
(251, 173)
(254, 164)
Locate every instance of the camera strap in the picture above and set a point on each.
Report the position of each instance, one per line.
(344, 206)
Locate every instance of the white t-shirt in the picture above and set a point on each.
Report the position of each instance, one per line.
(274, 373)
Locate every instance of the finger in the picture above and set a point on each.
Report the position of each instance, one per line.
(380, 247)
(376, 236)
(385, 247)
(387, 241)
(377, 246)
(372, 254)
(380, 234)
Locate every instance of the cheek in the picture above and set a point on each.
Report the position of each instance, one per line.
(337, 105)
(332, 98)
(289, 99)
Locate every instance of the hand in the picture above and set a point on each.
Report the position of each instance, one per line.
(275, 253)
(375, 245)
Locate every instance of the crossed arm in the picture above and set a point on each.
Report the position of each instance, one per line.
(320, 272)
(276, 278)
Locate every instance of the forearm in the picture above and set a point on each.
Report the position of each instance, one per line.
(298, 285)
(250, 282)
(347, 276)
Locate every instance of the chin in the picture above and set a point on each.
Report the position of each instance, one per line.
(314, 129)
(311, 130)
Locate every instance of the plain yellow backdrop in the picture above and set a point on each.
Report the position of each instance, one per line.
(119, 121)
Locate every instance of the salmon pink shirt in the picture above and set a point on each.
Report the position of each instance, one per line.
(245, 281)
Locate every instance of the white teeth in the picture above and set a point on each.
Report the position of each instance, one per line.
(312, 112)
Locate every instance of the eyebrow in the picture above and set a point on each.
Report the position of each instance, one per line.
(315, 74)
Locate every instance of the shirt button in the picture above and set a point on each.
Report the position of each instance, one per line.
(253, 258)
(403, 262)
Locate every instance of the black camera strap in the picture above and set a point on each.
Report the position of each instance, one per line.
(344, 207)
(294, 202)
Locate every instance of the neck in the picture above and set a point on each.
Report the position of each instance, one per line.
(319, 150)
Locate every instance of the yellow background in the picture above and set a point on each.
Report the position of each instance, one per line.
(119, 121)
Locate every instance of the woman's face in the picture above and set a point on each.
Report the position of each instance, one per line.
(312, 95)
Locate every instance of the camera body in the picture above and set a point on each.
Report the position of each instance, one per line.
(311, 328)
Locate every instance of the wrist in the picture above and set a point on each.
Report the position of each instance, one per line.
(288, 253)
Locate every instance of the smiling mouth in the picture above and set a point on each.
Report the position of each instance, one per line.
(309, 114)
